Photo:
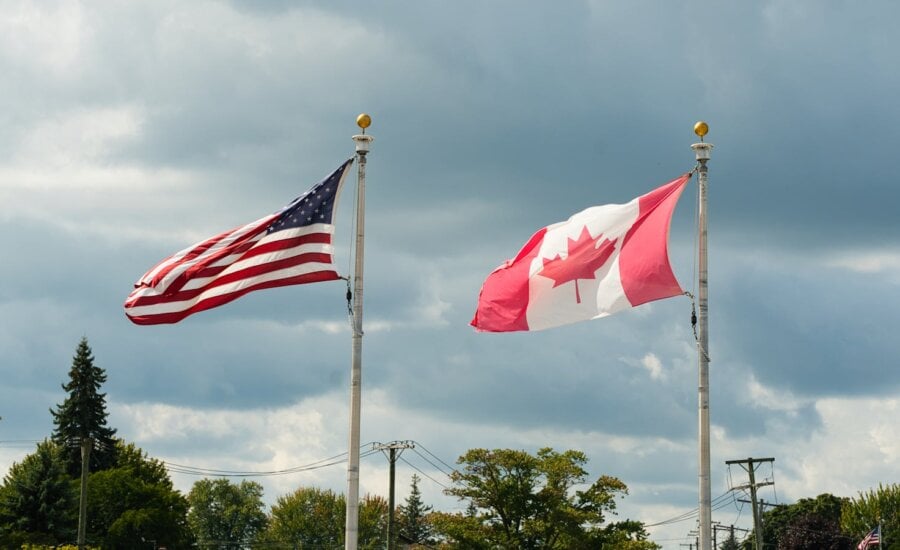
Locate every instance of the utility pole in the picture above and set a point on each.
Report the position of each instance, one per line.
(749, 465)
(763, 503)
(86, 444)
(393, 455)
(730, 529)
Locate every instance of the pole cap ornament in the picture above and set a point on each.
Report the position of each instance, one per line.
(362, 140)
(701, 129)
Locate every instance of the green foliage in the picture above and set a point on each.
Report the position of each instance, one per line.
(808, 524)
(624, 535)
(461, 531)
(812, 531)
(730, 543)
(149, 470)
(315, 518)
(223, 511)
(412, 517)
(83, 415)
(38, 504)
(860, 515)
(54, 547)
(135, 502)
(373, 520)
(307, 517)
(523, 501)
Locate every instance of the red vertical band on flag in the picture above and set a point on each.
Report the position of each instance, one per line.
(644, 261)
(503, 301)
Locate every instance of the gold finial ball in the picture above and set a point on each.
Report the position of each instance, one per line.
(363, 121)
(701, 128)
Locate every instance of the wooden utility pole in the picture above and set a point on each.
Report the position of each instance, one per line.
(393, 455)
(730, 529)
(86, 444)
(749, 465)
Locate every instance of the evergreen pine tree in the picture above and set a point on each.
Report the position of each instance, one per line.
(413, 522)
(83, 415)
(730, 543)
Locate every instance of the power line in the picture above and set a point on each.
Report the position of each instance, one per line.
(416, 468)
(433, 465)
(717, 503)
(436, 457)
(19, 443)
(318, 464)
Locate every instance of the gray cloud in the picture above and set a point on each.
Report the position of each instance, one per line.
(138, 129)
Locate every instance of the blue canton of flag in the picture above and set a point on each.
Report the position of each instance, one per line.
(314, 206)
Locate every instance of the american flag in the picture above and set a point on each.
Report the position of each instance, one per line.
(290, 247)
(873, 538)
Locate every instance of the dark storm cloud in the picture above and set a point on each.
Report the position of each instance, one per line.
(812, 330)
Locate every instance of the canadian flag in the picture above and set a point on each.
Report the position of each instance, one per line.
(600, 261)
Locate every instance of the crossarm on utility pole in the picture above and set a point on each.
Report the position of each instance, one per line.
(393, 455)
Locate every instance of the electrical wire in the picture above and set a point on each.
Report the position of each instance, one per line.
(416, 468)
(318, 464)
(328, 460)
(19, 442)
(716, 504)
(436, 457)
(433, 465)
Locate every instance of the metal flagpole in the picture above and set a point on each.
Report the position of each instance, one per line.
(351, 532)
(702, 151)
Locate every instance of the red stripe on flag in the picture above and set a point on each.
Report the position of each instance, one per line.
(196, 252)
(249, 273)
(215, 301)
(267, 248)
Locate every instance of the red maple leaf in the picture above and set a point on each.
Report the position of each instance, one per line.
(584, 258)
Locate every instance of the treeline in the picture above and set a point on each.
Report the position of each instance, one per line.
(828, 522)
(512, 499)
(509, 499)
(515, 500)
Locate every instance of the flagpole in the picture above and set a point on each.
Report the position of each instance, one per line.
(351, 533)
(702, 151)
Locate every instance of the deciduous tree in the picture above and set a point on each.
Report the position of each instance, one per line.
(314, 518)
(307, 517)
(135, 502)
(882, 505)
(528, 501)
(226, 512)
(373, 511)
(809, 523)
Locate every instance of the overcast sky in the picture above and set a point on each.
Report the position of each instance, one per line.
(130, 130)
